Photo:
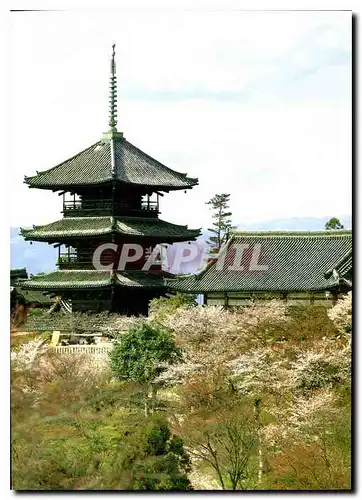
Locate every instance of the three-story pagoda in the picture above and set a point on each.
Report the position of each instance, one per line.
(111, 196)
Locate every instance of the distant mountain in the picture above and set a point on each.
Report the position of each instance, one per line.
(296, 223)
(41, 257)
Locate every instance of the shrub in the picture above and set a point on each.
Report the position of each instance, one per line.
(341, 314)
(36, 311)
(27, 352)
(320, 369)
(310, 322)
(163, 306)
(314, 451)
(108, 323)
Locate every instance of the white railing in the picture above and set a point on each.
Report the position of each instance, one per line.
(99, 349)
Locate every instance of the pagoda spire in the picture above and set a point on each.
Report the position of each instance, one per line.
(113, 94)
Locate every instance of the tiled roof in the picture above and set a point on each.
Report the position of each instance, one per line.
(97, 226)
(297, 261)
(18, 273)
(33, 296)
(80, 279)
(93, 166)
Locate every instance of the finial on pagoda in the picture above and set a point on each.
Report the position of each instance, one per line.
(113, 94)
(112, 130)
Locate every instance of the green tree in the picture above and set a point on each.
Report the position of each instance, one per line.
(150, 457)
(333, 223)
(141, 354)
(221, 220)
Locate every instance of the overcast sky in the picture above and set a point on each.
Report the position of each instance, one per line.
(256, 104)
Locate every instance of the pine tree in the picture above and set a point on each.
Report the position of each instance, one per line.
(221, 220)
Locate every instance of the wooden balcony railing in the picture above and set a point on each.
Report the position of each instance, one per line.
(74, 261)
(85, 261)
(68, 257)
(74, 208)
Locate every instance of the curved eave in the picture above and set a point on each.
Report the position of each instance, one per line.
(73, 235)
(31, 182)
(66, 286)
(28, 179)
(35, 235)
(93, 280)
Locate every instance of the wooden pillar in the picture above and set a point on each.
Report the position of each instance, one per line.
(226, 300)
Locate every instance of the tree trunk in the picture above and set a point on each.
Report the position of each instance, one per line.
(146, 396)
(260, 451)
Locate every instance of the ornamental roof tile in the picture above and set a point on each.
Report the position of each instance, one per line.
(342, 267)
(91, 279)
(94, 166)
(70, 227)
(296, 261)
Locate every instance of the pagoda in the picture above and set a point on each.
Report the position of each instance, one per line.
(111, 192)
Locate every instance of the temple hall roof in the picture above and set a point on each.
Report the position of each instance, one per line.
(289, 260)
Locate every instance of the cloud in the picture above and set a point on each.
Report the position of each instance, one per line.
(257, 104)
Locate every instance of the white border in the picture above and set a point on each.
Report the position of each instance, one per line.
(89, 5)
